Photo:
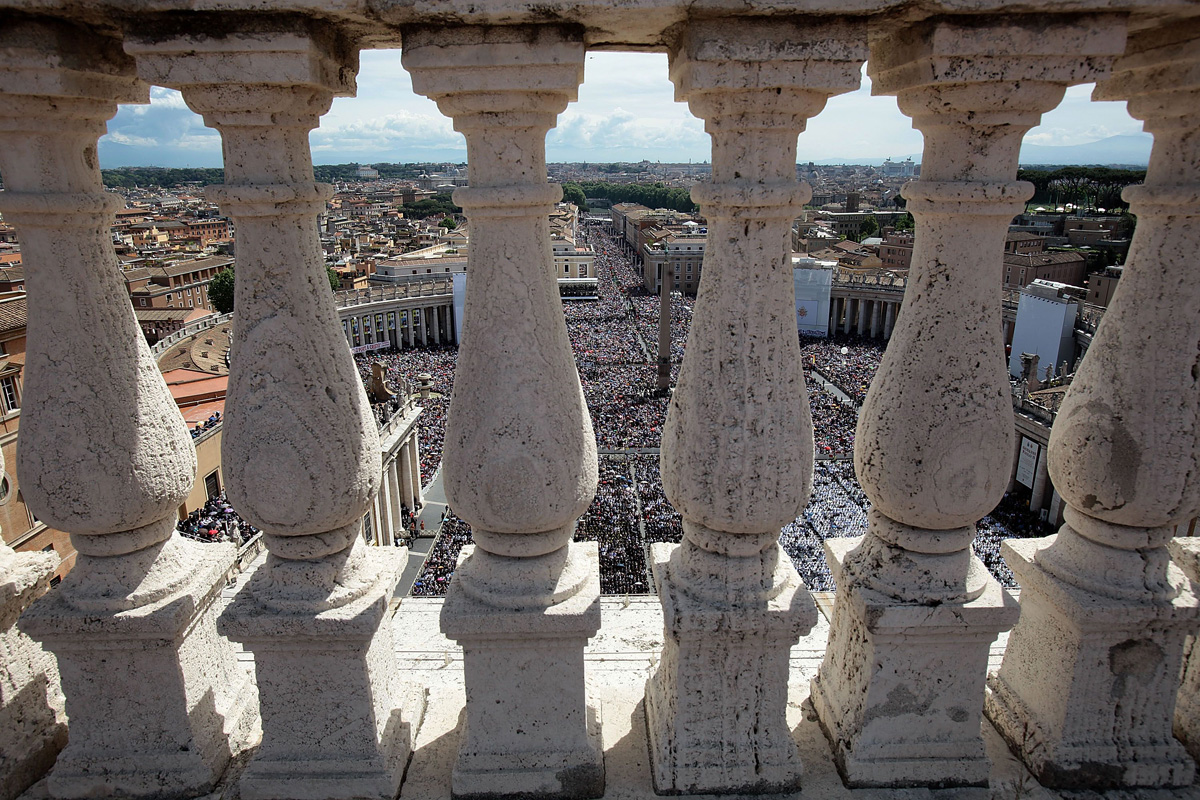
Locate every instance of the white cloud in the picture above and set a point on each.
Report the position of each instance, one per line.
(626, 110)
(393, 133)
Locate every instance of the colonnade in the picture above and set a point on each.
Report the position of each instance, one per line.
(400, 488)
(864, 316)
(157, 703)
(399, 326)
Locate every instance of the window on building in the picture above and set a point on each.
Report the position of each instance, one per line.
(212, 484)
(142, 301)
(48, 548)
(5, 490)
(8, 394)
(55, 581)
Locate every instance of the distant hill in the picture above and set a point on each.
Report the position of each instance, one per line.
(1132, 150)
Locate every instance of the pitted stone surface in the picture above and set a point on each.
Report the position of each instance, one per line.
(737, 450)
(1186, 554)
(520, 456)
(934, 443)
(519, 462)
(33, 725)
(1087, 691)
(156, 704)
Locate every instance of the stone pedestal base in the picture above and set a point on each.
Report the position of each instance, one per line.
(900, 692)
(527, 731)
(716, 707)
(329, 690)
(156, 700)
(1086, 693)
(1186, 553)
(33, 727)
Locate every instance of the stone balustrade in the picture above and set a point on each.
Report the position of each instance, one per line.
(158, 706)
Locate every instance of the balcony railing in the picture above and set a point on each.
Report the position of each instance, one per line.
(158, 704)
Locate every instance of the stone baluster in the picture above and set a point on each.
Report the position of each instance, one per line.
(1186, 554)
(155, 698)
(33, 724)
(300, 449)
(520, 457)
(1086, 692)
(900, 691)
(737, 450)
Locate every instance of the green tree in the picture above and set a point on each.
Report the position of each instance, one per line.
(448, 223)
(868, 228)
(905, 223)
(573, 193)
(220, 291)
(335, 283)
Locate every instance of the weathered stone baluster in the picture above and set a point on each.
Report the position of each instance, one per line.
(737, 450)
(300, 449)
(520, 456)
(1086, 691)
(33, 725)
(1186, 553)
(154, 695)
(901, 688)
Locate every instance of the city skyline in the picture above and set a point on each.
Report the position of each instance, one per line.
(625, 112)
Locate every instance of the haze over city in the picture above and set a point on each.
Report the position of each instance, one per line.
(626, 112)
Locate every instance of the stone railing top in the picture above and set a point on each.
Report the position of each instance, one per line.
(605, 25)
(422, 287)
(191, 329)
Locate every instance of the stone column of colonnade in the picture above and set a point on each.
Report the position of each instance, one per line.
(520, 456)
(876, 317)
(300, 447)
(395, 495)
(155, 698)
(900, 691)
(414, 460)
(383, 500)
(889, 321)
(848, 320)
(737, 450)
(1087, 688)
(406, 480)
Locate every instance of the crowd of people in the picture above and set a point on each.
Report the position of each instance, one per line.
(615, 341)
(848, 362)
(403, 369)
(612, 522)
(216, 521)
(439, 564)
(214, 419)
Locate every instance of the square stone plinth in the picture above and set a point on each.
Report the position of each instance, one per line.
(716, 706)
(156, 701)
(33, 725)
(1085, 695)
(1185, 551)
(529, 731)
(337, 723)
(900, 692)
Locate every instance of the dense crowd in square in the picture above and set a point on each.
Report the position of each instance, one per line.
(615, 340)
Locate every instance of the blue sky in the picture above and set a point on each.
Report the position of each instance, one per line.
(626, 111)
